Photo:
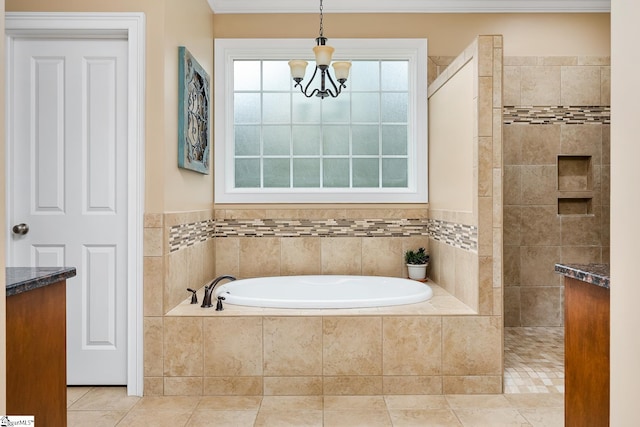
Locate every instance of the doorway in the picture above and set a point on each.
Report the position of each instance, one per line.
(127, 32)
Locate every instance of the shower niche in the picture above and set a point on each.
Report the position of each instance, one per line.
(575, 185)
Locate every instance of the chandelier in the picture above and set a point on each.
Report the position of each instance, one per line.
(323, 54)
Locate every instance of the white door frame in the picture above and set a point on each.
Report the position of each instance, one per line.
(129, 26)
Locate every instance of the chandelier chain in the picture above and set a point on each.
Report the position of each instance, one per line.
(321, 24)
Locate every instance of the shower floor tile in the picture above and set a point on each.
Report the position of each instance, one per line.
(534, 360)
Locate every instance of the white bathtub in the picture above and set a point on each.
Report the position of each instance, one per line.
(324, 291)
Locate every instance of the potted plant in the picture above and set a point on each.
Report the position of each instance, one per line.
(417, 262)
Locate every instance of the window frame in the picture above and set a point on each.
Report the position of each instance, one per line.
(228, 50)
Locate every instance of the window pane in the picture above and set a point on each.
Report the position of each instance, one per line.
(277, 140)
(247, 140)
(306, 140)
(365, 75)
(306, 173)
(276, 75)
(276, 107)
(394, 107)
(247, 173)
(366, 173)
(365, 139)
(246, 75)
(276, 173)
(335, 140)
(395, 75)
(336, 110)
(365, 107)
(335, 173)
(394, 173)
(246, 108)
(394, 140)
(305, 110)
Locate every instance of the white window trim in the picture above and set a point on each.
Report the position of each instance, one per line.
(228, 50)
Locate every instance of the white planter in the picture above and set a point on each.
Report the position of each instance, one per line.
(417, 271)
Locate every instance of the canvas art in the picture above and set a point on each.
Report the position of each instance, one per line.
(193, 113)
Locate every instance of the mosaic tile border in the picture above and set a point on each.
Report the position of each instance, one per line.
(461, 236)
(556, 115)
(457, 235)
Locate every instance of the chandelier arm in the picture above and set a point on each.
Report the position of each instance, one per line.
(309, 84)
(338, 88)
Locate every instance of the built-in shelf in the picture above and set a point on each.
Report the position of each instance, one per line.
(574, 173)
(574, 206)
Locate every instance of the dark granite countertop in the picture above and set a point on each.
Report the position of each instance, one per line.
(23, 279)
(595, 274)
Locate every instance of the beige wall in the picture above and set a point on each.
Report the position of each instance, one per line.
(625, 205)
(451, 143)
(3, 353)
(188, 24)
(536, 236)
(169, 23)
(448, 34)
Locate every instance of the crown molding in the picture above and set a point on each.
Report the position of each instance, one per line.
(412, 6)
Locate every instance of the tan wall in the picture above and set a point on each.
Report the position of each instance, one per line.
(473, 273)
(625, 205)
(536, 236)
(3, 347)
(448, 34)
(188, 24)
(451, 143)
(169, 23)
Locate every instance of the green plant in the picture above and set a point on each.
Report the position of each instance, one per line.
(416, 257)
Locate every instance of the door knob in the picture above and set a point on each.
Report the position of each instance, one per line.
(21, 228)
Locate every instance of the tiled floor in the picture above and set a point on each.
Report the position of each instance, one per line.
(536, 354)
(534, 360)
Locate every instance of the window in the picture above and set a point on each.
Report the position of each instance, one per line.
(274, 145)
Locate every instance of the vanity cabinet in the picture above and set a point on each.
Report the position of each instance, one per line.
(36, 344)
(586, 350)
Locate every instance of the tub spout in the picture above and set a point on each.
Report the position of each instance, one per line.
(208, 290)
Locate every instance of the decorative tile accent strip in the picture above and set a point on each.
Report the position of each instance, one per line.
(185, 235)
(458, 235)
(321, 228)
(556, 115)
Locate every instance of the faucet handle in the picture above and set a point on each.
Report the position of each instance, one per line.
(219, 306)
(194, 296)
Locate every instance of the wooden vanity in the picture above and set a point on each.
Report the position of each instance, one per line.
(36, 343)
(586, 344)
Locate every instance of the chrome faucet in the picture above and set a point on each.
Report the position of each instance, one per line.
(208, 292)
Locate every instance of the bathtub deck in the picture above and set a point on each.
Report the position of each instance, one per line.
(441, 304)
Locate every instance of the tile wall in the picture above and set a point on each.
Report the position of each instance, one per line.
(556, 111)
(185, 355)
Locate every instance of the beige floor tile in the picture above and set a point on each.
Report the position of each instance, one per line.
(416, 402)
(492, 417)
(339, 403)
(94, 418)
(74, 393)
(421, 418)
(544, 417)
(105, 399)
(156, 418)
(536, 400)
(357, 418)
(459, 401)
(278, 418)
(291, 403)
(222, 419)
(168, 403)
(229, 403)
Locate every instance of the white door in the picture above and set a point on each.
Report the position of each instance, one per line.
(68, 184)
